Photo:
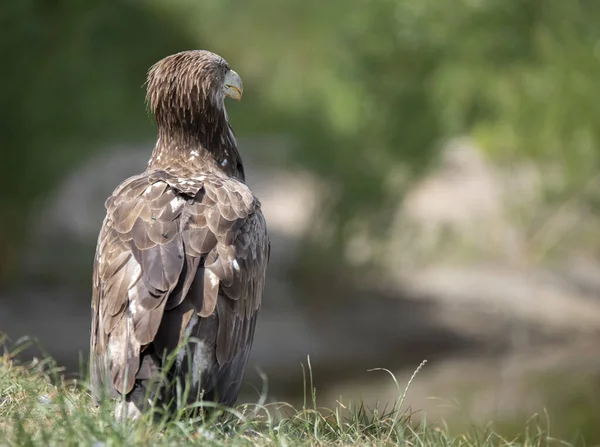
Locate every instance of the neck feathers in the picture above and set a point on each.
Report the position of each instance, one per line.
(188, 154)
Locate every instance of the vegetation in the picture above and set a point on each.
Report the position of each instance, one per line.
(39, 407)
(368, 90)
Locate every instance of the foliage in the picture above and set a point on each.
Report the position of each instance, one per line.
(368, 89)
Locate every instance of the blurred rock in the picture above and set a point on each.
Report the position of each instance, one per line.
(463, 190)
(535, 297)
(471, 203)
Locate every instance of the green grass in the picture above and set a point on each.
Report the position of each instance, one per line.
(38, 406)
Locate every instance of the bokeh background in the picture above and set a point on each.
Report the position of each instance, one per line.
(429, 171)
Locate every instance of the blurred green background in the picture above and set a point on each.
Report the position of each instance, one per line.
(369, 91)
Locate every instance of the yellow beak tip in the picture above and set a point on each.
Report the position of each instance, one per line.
(233, 85)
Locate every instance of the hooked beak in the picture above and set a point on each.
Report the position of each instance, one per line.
(233, 85)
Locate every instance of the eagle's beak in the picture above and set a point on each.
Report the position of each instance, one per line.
(233, 85)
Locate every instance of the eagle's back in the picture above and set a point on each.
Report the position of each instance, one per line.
(177, 257)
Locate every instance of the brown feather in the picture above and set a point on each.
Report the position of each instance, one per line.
(199, 240)
(161, 264)
(117, 264)
(125, 215)
(185, 282)
(154, 191)
(210, 293)
(184, 246)
(147, 321)
(140, 236)
(124, 352)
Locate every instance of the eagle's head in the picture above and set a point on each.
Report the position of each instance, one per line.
(189, 89)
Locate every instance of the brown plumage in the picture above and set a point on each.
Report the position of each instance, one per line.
(183, 249)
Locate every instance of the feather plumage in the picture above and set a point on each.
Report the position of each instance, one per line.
(183, 249)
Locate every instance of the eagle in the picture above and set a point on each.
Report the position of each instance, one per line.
(182, 253)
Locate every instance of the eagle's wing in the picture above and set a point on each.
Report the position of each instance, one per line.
(161, 236)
